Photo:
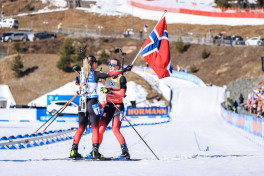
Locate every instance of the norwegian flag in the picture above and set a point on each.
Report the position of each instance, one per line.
(156, 50)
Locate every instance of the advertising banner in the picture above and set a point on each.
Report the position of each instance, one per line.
(51, 98)
(147, 111)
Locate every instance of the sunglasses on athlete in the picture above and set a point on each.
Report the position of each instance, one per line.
(112, 64)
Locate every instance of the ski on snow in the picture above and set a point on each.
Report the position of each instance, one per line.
(73, 159)
(102, 159)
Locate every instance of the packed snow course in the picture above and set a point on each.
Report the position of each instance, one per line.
(197, 141)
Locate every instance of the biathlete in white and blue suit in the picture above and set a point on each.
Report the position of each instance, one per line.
(92, 113)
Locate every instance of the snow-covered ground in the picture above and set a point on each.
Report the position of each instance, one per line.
(58, 3)
(180, 145)
(123, 8)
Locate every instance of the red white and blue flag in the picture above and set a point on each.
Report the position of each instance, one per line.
(156, 50)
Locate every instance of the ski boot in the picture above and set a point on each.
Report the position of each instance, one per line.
(95, 152)
(74, 152)
(125, 153)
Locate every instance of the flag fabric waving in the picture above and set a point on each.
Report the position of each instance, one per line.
(156, 50)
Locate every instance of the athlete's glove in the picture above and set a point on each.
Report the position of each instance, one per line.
(76, 68)
(128, 68)
(105, 90)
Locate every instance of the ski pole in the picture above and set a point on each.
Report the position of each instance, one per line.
(82, 52)
(55, 118)
(57, 112)
(123, 54)
(69, 102)
(133, 128)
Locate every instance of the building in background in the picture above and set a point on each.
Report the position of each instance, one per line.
(6, 97)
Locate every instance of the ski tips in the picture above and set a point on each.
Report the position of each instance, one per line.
(35, 132)
(44, 130)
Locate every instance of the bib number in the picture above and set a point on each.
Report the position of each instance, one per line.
(96, 109)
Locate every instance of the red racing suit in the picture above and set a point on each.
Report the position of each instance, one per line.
(118, 87)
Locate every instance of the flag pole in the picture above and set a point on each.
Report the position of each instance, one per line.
(165, 11)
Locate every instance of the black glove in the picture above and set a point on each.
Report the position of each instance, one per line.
(128, 68)
(77, 81)
(76, 68)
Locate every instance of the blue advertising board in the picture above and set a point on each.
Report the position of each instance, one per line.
(249, 123)
(51, 98)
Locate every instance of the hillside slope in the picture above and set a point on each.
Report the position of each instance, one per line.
(222, 67)
(80, 19)
(41, 76)
(224, 64)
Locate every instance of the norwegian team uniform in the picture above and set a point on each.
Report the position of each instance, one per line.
(118, 87)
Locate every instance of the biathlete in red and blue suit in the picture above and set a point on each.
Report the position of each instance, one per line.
(115, 91)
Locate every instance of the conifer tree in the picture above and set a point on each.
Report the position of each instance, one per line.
(17, 65)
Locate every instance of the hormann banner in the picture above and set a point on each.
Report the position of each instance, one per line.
(155, 111)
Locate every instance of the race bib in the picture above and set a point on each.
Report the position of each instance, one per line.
(96, 109)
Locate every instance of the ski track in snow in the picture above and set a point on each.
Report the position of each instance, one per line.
(175, 144)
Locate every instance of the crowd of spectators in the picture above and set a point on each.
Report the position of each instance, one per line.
(253, 105)
(255, 102)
